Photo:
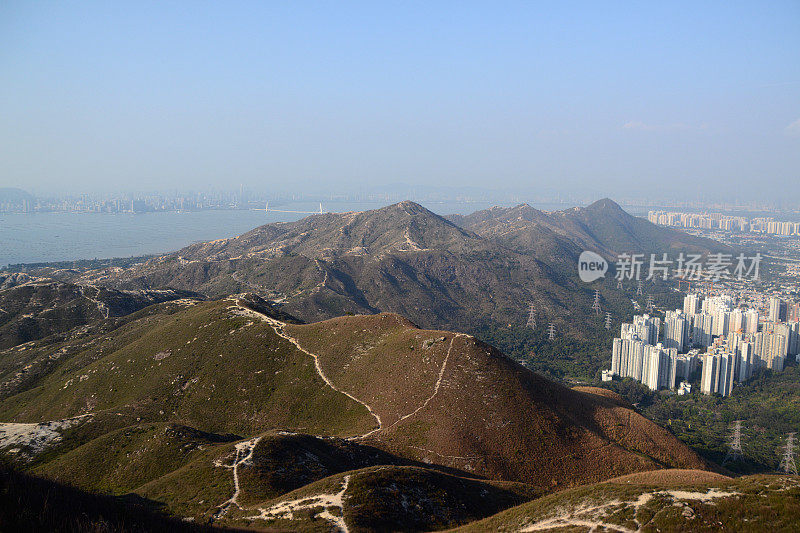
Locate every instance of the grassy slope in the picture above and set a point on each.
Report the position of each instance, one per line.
(285, 462)
(123, 460)
(204, 367)
(490, 416)
(763, 503)
(212, 367)
(28, 503)
(396, 498)
(41, 308)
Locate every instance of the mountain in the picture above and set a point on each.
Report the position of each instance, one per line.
(481, 278)
(408, 260)
(412, 378)
(14, 196)
(402, 258)
(527, 230)
(32, 308)
(219, 409)
(603, 227)
(611, 227)
(385, 498)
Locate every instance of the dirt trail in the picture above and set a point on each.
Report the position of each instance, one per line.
(244, 456)
(279, 328)
(436, 386)
(101, 306)
(592, 517)
(286, 509)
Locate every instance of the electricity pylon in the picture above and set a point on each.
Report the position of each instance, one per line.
(650, 303)
(735, 446)
(532, 318)
(619, 283)
(596, 304)
(639, 285)
(608, 320)
(787, 462)
(551, 331)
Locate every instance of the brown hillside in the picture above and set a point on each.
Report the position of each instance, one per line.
(401, 258)
(605, 394)
(672, 476)
(449, 399)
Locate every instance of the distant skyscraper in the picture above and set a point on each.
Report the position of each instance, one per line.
(736, 322)
(686, 365)
(691, 304)
(794, 338)
(702, 326)
(645, 327)
(721, 322)
(745, 369)
(793, 312)
(770, 349)
(751, 321)
(777, 309)
(653, 366)
(676, 330)
(718, 374)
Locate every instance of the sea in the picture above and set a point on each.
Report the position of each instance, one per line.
(50, 237)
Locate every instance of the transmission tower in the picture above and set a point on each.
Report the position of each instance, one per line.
(735, 447)
(532, 318)
(619, 283)
(596, 304)
(639, 285)
(650, 303)
(787, 463)
(551, 331)
(608, 320)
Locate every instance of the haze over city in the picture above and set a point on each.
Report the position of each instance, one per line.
(684, 100)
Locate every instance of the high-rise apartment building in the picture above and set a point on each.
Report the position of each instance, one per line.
(718, 373)
(676, 330)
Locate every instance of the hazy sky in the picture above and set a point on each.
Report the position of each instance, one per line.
(621, 97)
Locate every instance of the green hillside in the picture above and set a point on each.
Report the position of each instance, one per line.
(751, 503)
(209, 366)
(208, 408)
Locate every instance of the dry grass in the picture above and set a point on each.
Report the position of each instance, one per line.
(670, 477)
(480, 412)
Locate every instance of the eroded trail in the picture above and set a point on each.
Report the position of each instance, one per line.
(244, 456)
(436, 386)
(280, 330)
(101, 306)
(596, 517)
(329, 502)
(286, 509)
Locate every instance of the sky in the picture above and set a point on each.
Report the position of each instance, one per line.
(676, 99)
